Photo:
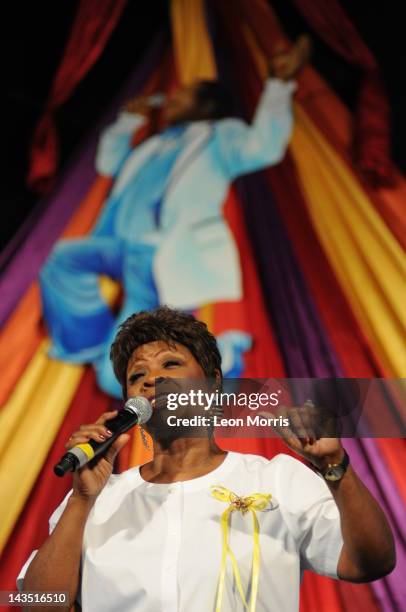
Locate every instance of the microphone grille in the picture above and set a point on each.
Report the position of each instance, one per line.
(141, 406)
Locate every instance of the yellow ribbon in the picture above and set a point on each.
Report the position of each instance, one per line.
(251, 503)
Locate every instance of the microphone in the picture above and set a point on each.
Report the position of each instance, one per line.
(136, 410)
(156, 100)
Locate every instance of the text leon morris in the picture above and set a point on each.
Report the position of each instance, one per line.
(249, 420)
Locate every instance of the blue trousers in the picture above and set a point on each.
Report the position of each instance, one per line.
(82, 326)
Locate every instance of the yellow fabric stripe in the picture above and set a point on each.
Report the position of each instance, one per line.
(195, 60)
(48, 396)
(194, 55)
(30, 421)
(366, 258)
(17, 404)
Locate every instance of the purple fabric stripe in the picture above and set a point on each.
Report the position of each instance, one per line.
(73, 185)
(301, 336)
(307, 352)
(21, 234)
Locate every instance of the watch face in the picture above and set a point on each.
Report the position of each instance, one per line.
(334, 473)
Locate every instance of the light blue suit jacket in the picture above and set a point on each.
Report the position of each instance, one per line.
(196, 259)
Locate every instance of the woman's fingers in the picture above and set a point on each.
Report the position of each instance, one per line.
(106, 416)
(94, 427)
(301, 428)
(74, 440)
(98, 433)
(302, 422)
(92, 431)
(296, 423)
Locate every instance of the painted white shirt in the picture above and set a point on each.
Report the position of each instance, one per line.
(157, 547)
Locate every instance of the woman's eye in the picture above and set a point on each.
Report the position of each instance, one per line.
(171, 362)
(134, 377)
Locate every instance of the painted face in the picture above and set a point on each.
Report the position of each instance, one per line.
(181, 105)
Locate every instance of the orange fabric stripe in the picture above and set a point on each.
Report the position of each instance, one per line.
(23, 331)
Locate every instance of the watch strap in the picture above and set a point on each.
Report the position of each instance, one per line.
(344, 463)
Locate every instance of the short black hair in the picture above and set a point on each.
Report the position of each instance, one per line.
(213, 99)
(168, 325)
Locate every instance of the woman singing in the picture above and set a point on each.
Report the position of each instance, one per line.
(200, 529)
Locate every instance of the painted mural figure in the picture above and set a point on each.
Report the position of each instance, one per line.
(161, 232)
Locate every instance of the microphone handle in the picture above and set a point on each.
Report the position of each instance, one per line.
(120, 426)
(81, 454)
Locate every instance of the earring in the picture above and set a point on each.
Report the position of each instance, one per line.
(144, 439)
(216, 411)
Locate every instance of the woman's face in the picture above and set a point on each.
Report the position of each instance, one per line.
(157, 360)
(174, 370)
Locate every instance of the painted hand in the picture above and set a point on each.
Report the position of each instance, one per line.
(285, 64)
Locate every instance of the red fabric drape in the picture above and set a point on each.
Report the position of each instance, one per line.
(371, 128)
(93, 25)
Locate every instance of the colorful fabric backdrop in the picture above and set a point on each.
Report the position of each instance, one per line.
(323, 274)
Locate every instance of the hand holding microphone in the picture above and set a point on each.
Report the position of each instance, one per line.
(143, 105)
(101, 440)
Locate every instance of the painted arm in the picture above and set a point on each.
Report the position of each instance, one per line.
(115, 143)
(245, 148)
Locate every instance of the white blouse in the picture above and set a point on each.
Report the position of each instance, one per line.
(157, 547)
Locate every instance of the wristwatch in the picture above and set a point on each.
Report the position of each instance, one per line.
(335, 471)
